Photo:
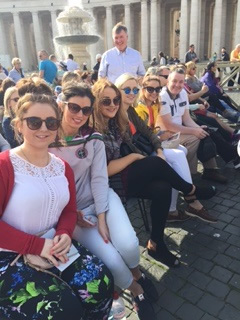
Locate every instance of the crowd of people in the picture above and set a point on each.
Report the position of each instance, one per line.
(75, 147)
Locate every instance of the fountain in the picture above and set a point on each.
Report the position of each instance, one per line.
(73, 33)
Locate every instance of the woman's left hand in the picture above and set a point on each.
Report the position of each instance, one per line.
(103, 228)
(62, 244)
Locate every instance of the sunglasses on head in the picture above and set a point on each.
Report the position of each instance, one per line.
(35, 123)
(164, 76)
(152, 89)
(15, 99)
(106, 102)
(129, 90)
(75, 108)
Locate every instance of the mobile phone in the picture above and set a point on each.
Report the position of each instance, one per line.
(89, 221)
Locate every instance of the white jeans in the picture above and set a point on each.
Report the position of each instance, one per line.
(122, 252)
(176, 158)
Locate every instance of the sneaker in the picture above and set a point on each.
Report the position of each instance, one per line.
(236, 163)
(179, 217)
(214, 175)
(148, 287)
(143, 308)
(200, 214)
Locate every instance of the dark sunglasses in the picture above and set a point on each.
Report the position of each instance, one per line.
(35, 123)
(15, 99)
(152, 89)
(106, 102)
(164, 76)
(75, 108)
(129, 90)
(193, 68)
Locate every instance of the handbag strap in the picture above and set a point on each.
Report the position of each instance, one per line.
(132, 128)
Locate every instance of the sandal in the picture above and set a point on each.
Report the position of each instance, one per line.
(201, 193)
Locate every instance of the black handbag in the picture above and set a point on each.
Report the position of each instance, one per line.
(142, 143)
(206, 149)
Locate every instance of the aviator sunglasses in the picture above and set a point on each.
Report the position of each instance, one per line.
(106, 102)
(35, 123)
(129, 90)
(75, 108)
(152, 89)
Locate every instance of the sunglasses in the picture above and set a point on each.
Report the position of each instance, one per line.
(106, 102)
(193, 68)
(15, 99)
(129, 90)
(164, 76)
(35, 123)
(152, 89)
(75, 108)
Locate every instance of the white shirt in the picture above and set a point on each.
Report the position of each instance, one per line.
(114, 63)
(176, 107)
(71, 65)
(39, 195)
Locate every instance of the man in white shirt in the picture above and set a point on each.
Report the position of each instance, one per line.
(121, 58)
(71, 64)
(175, 117)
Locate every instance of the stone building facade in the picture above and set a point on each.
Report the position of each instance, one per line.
(154, 25)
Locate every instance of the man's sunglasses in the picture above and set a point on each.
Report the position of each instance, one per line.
(129, 90)
(35, 123)
(106, 102)
(75, 108)
(152, 89)
(15, 99)
(164, 76)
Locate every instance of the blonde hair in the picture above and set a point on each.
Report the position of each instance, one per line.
(8, 112)
(124, 78)
(25, 103)
(15, 61)
(101, 122)
(189, 65)
(146, 79)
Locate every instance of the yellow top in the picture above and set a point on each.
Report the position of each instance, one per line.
(234, 55)
(143, 112)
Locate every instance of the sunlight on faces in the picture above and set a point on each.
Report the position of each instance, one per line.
(151, 96)
(75, 121)
(130, 98)
(42, 137)
(109, 111)
(120, 40)
(175, 82)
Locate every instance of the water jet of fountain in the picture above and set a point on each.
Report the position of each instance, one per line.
(72, 33)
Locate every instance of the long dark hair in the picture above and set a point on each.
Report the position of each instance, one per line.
(208, 68)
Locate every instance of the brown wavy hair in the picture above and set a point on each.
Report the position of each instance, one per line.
(146, 80)
(101, 123)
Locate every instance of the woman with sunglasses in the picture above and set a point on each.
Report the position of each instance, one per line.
(11, 98)
(103, 225)
(136, 174)
(37, 193)
(148, 109)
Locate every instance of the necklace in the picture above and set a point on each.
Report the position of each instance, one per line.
(25, 156)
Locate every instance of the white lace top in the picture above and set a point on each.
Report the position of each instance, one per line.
(39, 195)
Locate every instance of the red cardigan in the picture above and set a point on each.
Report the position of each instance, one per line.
(21, 242)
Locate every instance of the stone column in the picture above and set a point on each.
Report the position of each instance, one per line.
(37, 31)
(20, 39)
(127, 11)
(183, 30)
(154, 29)
(144, 30)
(237, 30)
(109, 22)
(217, 27)
(3, 40)
(54, 23)
(194, 24)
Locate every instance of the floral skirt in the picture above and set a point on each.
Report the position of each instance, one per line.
(82, 291)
